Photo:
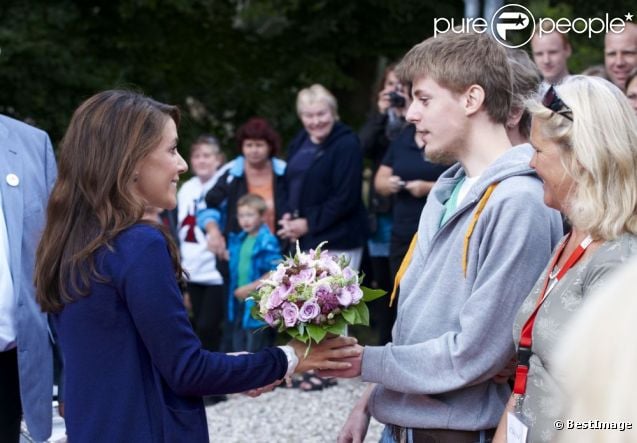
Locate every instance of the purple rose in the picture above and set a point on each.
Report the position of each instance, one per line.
(349, 273)
(344, 296)
(278, 296)
(321, 289)
(357, 293)
(271, 318)
(309, 310)
(290, 314)
(304, 276)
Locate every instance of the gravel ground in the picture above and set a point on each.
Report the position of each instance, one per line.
(287, 416)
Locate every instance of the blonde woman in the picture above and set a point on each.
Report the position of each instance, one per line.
(324, 179)
(585, 139)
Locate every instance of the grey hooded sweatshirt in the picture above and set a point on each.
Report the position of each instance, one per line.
(453, 332)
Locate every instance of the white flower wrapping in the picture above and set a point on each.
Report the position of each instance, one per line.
(312, 294)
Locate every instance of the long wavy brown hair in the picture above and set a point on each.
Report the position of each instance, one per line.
(91, 202)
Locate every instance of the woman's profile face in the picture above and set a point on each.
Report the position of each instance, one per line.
(548, 163)
(255, 151)
(318, 120)
(157, 174)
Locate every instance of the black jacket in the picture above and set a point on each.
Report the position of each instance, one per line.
(331, 191)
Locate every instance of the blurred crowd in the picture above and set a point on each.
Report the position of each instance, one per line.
(366, 193)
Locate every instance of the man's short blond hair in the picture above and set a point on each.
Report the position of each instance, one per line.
(457, 61)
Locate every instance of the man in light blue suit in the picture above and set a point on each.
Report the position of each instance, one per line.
(27, 173)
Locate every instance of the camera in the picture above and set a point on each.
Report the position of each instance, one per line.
(396, 100)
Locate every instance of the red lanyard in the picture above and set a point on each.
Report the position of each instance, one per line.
(526, 335)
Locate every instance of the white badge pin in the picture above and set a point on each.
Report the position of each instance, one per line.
(13, 180)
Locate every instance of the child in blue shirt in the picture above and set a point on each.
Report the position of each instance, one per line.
(253, 253)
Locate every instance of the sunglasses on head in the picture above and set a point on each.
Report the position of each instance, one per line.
(552, 101)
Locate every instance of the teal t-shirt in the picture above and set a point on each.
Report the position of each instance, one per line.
(245, 260)
(452, 203)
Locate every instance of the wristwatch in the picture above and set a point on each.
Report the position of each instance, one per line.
(293, 360)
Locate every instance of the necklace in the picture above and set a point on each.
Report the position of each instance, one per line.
(585, 244)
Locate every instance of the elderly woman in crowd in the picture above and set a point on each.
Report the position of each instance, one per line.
(324, 180)
(324, 177)
(585, 137)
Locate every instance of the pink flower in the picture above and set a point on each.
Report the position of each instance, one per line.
(321, 289)
(328, 262)
(271, 318)
(277, 276)
(278, 296)
(349, 273)
(357, 293)
(290, 314)
(304, 276)
(344, 297)
(349, 295)
(309, 310)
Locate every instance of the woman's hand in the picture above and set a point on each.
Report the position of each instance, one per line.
(284, 232)
(292, 229)
(263, 389)
(298, 227)
(331, 353)
(386, 183)
(418, 188)
(216, 240)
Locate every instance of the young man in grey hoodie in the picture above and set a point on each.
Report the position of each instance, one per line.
(484, 237)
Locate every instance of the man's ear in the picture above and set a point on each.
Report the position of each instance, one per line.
(473, 99)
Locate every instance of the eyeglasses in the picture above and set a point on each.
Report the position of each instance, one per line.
(552, 101)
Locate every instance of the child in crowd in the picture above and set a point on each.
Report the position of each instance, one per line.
(253, 252)
(205, 283)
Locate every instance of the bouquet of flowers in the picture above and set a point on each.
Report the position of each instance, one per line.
(313, 294)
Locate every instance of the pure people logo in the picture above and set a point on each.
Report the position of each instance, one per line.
(515, 18)
(513, 25)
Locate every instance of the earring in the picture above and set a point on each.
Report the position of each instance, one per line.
(135, 177)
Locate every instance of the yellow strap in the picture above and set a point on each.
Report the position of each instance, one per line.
(403, 267)
(481, 204)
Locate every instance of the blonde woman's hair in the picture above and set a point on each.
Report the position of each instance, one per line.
(596, 360)
(458, 61)
(316, 93)
(599, 152)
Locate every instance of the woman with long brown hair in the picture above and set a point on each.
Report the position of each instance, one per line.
(134, 369)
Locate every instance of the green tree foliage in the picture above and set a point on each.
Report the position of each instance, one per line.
(222, 61)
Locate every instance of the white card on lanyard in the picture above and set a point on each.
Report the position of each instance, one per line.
(516, 430)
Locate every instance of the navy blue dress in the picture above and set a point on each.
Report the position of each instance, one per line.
(135, 370)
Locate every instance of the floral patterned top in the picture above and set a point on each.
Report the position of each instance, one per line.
(541, 406)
